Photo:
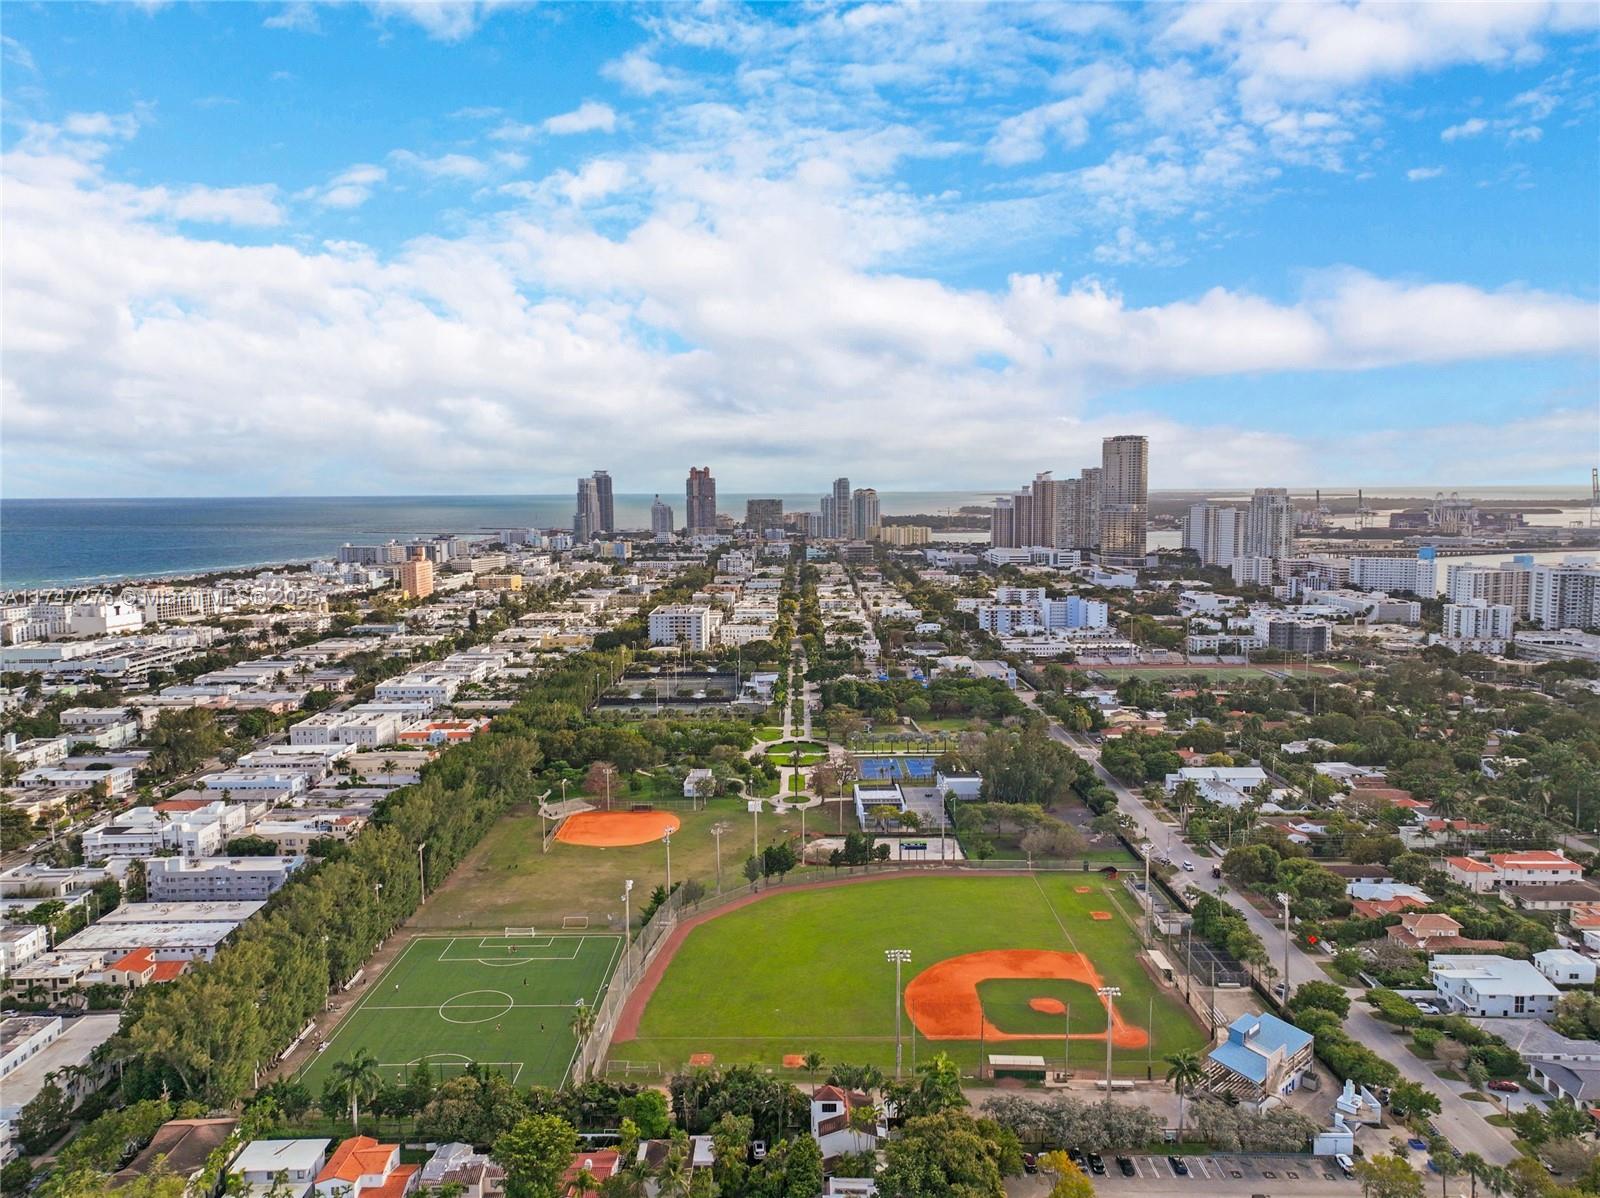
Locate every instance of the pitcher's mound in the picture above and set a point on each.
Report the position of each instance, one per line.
(1048, 1006)
(614, 829)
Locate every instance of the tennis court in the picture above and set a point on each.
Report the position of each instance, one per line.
(504, 1002)
(898, 768)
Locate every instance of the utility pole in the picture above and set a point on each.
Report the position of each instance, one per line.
(1066, 1044)
(899, 956)
(1284, 899)
(422, 877)
(1108, 995)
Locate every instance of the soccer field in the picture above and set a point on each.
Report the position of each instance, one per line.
(505, 1002)
(998, 965)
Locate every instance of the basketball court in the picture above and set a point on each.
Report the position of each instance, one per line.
(503, 1001)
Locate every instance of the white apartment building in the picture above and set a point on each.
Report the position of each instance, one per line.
(1478, 625)
(693, 625)
(1508, 583)
(1489, 987)
(1565, 596)
(1269, 524)
(1215, 533)
(146, 832)
(254, 784)
(1253, 571)
(366, 729)
(116, 780)
(217, 879)
(434, 689)
(1419, 575)
(21, 943)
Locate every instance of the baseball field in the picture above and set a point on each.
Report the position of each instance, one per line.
(1008, 964)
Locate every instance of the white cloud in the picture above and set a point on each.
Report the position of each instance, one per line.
(588, 117)
(598, 178)
(445, 166)
(1022, 138)
(229, 205)
(442, 20)
(637, 72)
(349, 188)
(16, 52)
(101, 125)
(1420, 174)
(300, 16)
(1470, 127)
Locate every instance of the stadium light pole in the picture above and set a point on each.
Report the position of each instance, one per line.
(1108, 995)
(899, 956)
(667, 840)
(717, 829)
(422, 877)
(627, 911)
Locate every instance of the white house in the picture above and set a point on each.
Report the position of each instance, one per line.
(292, 1165)
(1260, 1059)
(1565, 967)
(1490, 986)
(1240, 777)
(830, 1122)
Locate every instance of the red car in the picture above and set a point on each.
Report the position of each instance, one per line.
(1505, 1087)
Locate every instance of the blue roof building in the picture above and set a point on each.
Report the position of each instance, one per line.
(1260, 1059)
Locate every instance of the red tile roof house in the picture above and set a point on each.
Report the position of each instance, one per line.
(600, 1163)
(1534, 867)
(140, 968)
(830, 1122)
(363, 1168)
(1433, 932)
(1378, 908)
(1477, 876)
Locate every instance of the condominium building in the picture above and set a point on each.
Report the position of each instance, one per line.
(762, 516)
(700, 501)
(416, 578)
(839, 509)
(905, 534)
(1508, 583)
(1478, 625)
(660, 518)
(608, 509)
(1089, 496)
(587, 517)
(1269, 524)
(216, 879)
(691, 625)
(1419, 574)
(864, 519)
(1214, 532)
(1124, 496)
(1565, 596)
(1003, 524)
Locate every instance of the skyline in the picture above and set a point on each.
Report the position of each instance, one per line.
(935, 249)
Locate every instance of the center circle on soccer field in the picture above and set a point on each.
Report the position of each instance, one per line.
(475, 1006)
(944, 1001)
(616, 829)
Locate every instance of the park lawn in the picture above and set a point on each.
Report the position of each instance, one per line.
(503, 1002)
(953, 724)
(769, 732)
(798, 753)
(506, 881)
(804, 970)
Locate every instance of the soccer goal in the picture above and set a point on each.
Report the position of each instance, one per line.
(574, 923)
(527, 933)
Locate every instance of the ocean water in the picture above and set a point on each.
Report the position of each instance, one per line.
(78, 542)
(82, 542)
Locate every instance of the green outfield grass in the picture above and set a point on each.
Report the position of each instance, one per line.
(507, 881)
(1006, 1001)
(505, 1002)
(805, 971)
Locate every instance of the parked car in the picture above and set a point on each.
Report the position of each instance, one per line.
(1504, 1085)
(1180, 1167)
(1216, 871)
(758, 1150)
(1188, 867)
(1096, 1165)
(1346, 1165)
(1125, 1163)
(1281, 989)
(1075, 1155)
(1427, 1008)
(1030, 1164)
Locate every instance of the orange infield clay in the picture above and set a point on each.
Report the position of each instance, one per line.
(943, 999)
(1048, 1006)
(1101, 915)
(614, 829)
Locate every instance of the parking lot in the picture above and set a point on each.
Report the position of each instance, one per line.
(1230, 1173)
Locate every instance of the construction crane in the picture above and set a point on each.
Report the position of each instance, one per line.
(1364, 514)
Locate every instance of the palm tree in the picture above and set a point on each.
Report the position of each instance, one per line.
(1474, 1166)
(813, 1064)
(1184, 1073)
(583, 1024)
(358, 1077)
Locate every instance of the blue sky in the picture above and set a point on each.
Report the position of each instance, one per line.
(399, 248)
